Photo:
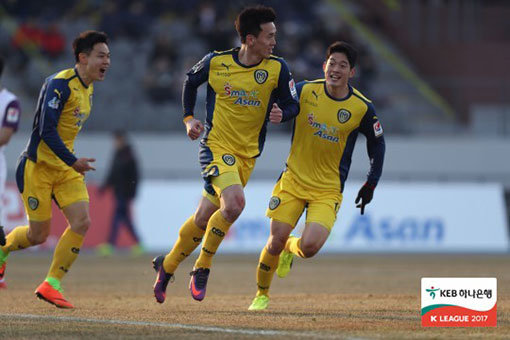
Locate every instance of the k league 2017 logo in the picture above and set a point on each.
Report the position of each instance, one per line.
(459, 302)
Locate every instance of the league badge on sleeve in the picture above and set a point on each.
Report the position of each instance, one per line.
(378, 131)
(12, 115)
(292, 88)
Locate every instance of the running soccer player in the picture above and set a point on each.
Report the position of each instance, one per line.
(325, 131)
(9, 119)
(48, 168)
(246, 87)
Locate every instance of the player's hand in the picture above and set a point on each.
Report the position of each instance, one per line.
(365, 195)
(276, 114)
(2, 236)
(82, 165)
(194, 128)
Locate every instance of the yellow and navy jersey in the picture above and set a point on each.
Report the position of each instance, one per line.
(239, 99)
(63, 106)
(325, 132)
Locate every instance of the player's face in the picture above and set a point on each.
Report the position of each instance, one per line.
(264, 43)
(337, 70)
(98, 62)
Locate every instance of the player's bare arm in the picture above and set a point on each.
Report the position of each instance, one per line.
(5, 135)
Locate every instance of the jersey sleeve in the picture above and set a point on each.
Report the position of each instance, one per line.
(371, 127)
(194, 78)
(286, 93)
(57, 94)
(299, 88)
(12, 115)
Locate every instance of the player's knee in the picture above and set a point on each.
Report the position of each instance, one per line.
(201, 218)
(81, 225)
(309, 249)
(38, 237)
(233, 208)
(276, 244)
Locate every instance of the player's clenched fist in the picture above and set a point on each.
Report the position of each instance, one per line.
(194, 128)
(276, 114)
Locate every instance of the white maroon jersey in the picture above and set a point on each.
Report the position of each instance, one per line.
(9, 117)
(9, 110)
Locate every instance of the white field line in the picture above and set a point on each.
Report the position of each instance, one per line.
(243, 331)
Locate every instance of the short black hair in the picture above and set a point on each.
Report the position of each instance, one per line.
(1, 64)
(85, 42)
(343, 47)
(250, 19)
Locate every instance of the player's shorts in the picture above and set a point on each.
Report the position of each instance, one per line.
(38, 184)
(290, 199)
(221, 169)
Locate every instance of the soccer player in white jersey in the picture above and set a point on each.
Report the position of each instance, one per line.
(9, 120)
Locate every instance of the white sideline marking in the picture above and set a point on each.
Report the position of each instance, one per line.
(174, 325)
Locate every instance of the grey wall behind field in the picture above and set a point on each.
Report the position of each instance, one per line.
(174, 156)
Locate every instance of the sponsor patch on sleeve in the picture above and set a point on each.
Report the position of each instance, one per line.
(292, 88)
(378, 131)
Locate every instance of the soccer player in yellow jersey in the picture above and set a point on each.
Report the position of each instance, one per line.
(246, 88)
(48, 168)
(325, 131)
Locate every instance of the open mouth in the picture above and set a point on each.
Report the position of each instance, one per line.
(334, 77)
(102, 71)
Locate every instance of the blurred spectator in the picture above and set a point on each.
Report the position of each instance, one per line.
(367, 71)
(136, 21)
(27, 39)
(111, 20)
(123, 180)
(163, 49)
(179, 31)
(53, 43)
(159, 81)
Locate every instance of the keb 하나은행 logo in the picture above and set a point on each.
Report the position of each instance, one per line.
(458, 302)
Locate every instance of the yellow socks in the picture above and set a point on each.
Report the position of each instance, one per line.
(293, 245)
(217, 228)
(265, 272)
(66, 251)
(190, 237)
(16, 240)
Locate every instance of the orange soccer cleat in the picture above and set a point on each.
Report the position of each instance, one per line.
(3, 285)
(46, 292)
